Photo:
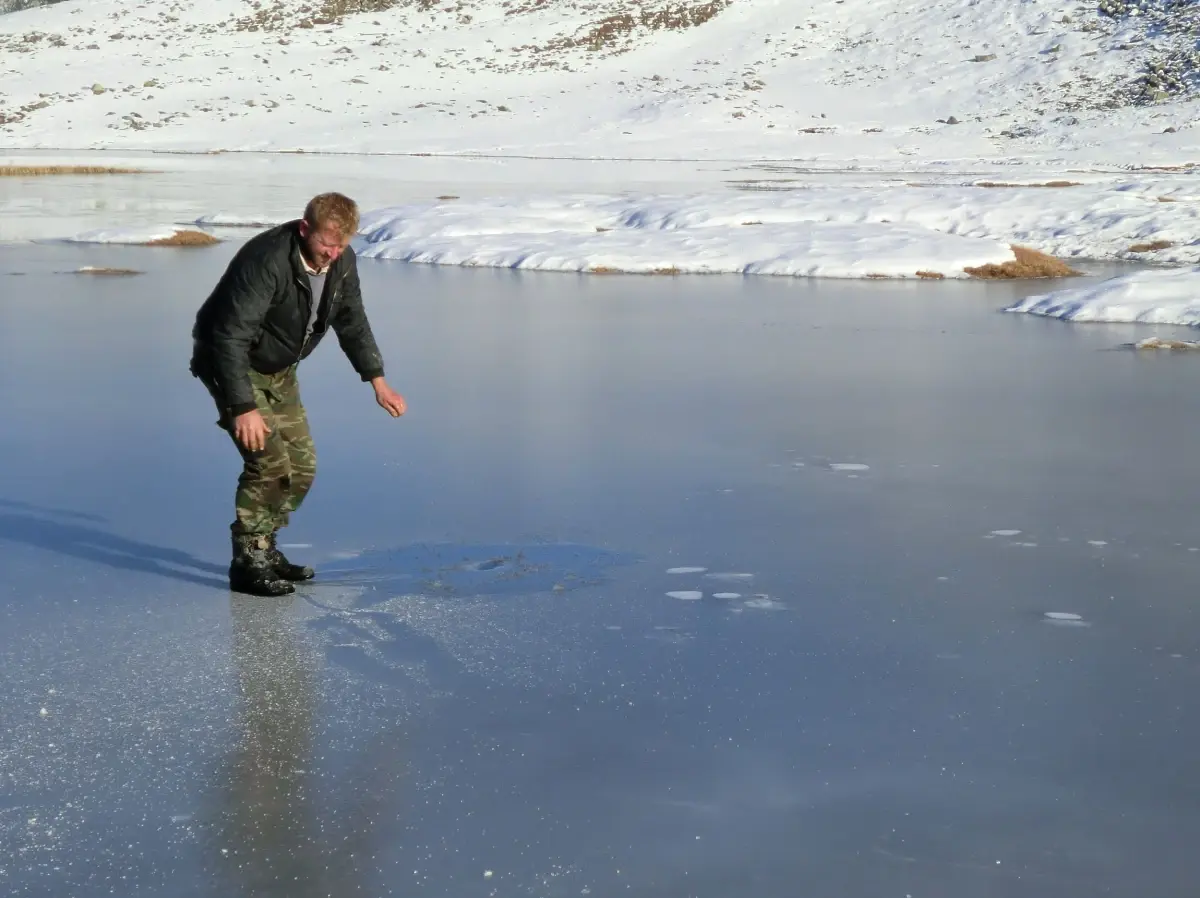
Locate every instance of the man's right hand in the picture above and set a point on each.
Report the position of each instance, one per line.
(251, 430)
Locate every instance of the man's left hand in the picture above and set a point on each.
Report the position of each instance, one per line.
(391, 401)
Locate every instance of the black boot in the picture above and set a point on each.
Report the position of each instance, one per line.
(284, 568)
(251, 571)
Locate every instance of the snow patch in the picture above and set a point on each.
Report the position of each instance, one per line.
(667, 235)
(764, 603)
(1065, 619)
(123, 235)
(1170, 296)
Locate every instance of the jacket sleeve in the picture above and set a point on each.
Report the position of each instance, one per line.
(354, 330)
(248, 287)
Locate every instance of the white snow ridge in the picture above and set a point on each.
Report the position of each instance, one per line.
(1169, 296)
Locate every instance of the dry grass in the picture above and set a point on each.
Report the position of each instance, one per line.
(1029, 263)
(1167, 199)
(1042, 184)
(108, 272)
(447, 197)
(878, 277)
(35, 171)
(279, 16)
(1158, 343)
(184, 238)
(605, 269)
(1187, 166)
(931, 275)
(611, 34)
(1152, 246)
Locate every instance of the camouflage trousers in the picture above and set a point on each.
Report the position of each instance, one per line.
(275, 480)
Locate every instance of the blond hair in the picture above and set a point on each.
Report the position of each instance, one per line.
(332, 209)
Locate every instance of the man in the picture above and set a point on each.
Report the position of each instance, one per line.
(278, 297)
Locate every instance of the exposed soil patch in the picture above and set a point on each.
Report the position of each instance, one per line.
(1152, 246)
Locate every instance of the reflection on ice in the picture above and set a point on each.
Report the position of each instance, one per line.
(273, 827)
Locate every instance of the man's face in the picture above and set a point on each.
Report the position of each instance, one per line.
(324, 246)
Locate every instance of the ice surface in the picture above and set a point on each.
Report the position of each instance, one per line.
(486, 674)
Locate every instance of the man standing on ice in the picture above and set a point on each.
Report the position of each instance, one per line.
(278, 297)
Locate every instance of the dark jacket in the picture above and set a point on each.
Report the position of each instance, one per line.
(257, 315)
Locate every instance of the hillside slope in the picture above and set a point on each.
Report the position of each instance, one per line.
(832, 82)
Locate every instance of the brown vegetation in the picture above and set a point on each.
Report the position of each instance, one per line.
(1042, 184)
(112, 272)
(278, 16)
(605, 269)
(184, 238)
(1158, 343)
(1152, 246)
(1029, 263)
(931, 275)
(1187, 166)
(32, 171)
(612, 32)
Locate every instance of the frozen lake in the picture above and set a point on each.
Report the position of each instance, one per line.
(504, 682)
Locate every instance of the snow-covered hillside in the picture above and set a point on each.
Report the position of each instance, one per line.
(830, 82)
